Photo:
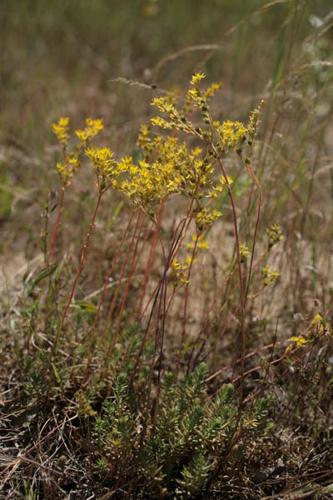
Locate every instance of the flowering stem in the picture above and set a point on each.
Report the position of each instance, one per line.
(176, 242)
(55, 233)
(239, 266)
(162, 308)
(255, 233)
(114, 262)
(83, 256)
(234, 213)
(133, 266)
(125, 262)
(151, 256)
(186, 295)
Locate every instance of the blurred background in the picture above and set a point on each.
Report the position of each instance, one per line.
(61, 55)
(81, 58)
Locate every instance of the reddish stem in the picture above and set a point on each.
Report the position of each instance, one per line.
(83, 256)
(150, 260)
(56, 230)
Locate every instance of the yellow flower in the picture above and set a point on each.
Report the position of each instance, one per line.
(166, 164)
(274, 234)
(212, 89)
(165, 104)
(230, 133)
(205, 217)
(179, 274)
(176, 118)
(220, 186)
(253, 120)
(244, 251)
(158, 121)
(198, 241)
(317, 319)
(68, 168)
(92, 128)
(299, 341)
(321, 326)
(102, 160)
(269, 276)
(144, 139)
(197, 77)
(61, 130)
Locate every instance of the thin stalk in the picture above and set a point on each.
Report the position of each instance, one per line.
(256, 228)
(134, 263)
(186, 294)
(239, 267)
(176, 242)
(161, 313)
(56, 230)
(120, 279)
(151, 257)
(83, 256)
(115, 260)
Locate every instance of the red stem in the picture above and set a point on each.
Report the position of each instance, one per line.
(83, 256)
(55, 233)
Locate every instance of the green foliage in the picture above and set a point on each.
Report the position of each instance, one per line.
(176, 450)
(194, 475)
(6, 195)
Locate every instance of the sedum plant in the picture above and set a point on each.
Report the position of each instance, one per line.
(121, 366)
(181, 153)
(182, 451)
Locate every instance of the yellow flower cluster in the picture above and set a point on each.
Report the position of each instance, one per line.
(269, 276)
(61, 130)
(176, 117)
(68, 168)
(254, 119)
(320, 325)
(170, 167)
(205, 218)
(197, 77)
(298, 341)
(102, 159)
(180, 271)
(196, 98)
(71, 160)
(106, 168)
(199, 242)
(244, 251)
(230, 134)
(180, 268)
(274, 234)
(220, 186)
(159, 174)
(92, 128)
(221, 136)
(168, 164)
(144, 139)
